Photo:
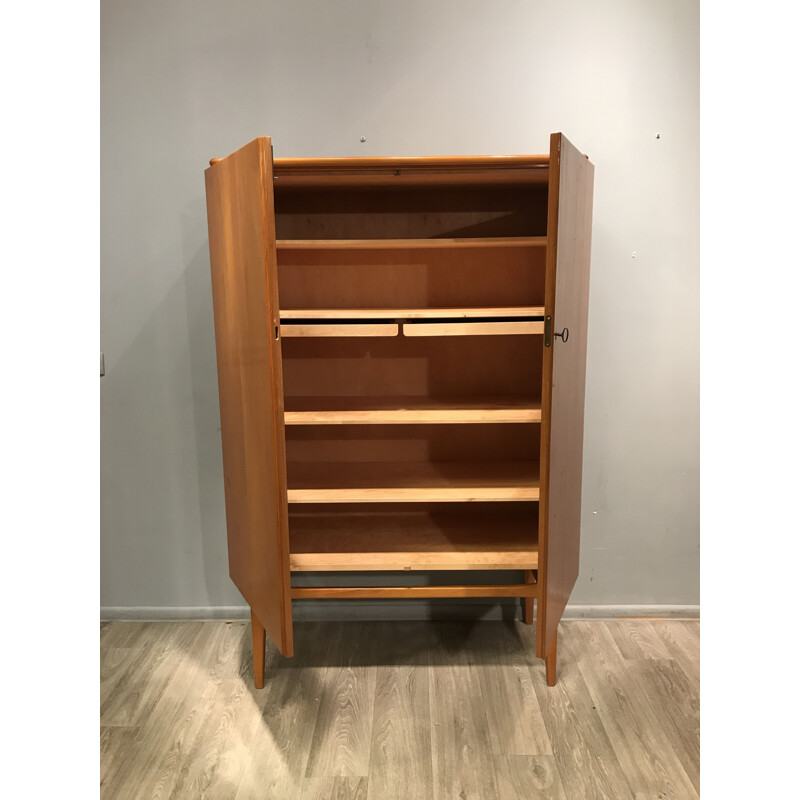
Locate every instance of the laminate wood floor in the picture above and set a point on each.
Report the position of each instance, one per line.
(407, 710)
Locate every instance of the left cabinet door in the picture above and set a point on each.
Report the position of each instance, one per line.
(241, 236)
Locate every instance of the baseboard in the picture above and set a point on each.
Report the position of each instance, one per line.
(365, 610)
(166, 613)
(632, 611)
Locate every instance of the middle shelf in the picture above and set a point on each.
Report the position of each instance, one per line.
(412, 481)
(411, 313)
(410, 410)
(383, 322)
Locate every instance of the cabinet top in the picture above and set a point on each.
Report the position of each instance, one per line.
(420, 171)
(399, 171)
(403, 162)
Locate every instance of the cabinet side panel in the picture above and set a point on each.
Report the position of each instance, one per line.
(243, 268)
(564, 380)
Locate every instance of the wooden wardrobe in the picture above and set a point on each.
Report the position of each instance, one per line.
(401, 348)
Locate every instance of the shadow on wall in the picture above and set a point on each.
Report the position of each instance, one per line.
(203, 362)
(163, 537)
(162, 502)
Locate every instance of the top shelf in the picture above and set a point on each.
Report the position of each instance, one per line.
(431, 163)
(410, 313)
(409, 244)
(319, 173)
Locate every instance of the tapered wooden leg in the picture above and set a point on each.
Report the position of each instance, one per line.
(550, 662)
(259, 643)
(527, 602)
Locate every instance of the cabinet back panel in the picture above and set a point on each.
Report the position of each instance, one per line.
(392, 443)
(412, 278)
(413, 366)
(412, 213)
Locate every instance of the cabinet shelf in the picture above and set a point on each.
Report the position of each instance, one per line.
(411, 313)
(483, 328)
(409, 244)
(410, 410)
(354, 322)
(338, 331)
(412, 481)
(412, 540)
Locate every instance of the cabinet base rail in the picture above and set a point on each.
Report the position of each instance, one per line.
(386, 592)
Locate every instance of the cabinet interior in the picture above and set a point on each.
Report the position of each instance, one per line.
(411, 323)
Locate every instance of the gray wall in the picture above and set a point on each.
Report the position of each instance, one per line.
(186, 81)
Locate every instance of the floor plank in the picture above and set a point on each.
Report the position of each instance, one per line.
(682, 640)
(462, 759)
(529, 778)
(637, 639)
(401, 765)
(130, 634)
(585, 758)
(275, 753)
(115, 743)
(343, 732)
(138, 688)
(677, 711)
(206, 770)
(115, 664)
(335, 789)
(515, 722)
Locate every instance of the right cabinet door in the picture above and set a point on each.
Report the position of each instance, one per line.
(564, 368)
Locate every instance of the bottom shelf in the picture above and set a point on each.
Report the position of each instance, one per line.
(429, 539)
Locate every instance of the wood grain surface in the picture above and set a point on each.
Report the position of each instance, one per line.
(406, 592)
(411, 313)
(424, 367)
(420, 171)
(342, 739)
(287, 166)
(410, 244)
(360, 211)
(241, 236)
(569, 236)
(639, 738)
(472, 328)
(448, 538)
(413, 278)
(410, 410)
(418, 710)
(401, 756)
(412, 482)
(339, 331)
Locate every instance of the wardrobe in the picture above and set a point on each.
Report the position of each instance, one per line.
(401, 349)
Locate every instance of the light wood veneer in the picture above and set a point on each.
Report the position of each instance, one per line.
(405, 405)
